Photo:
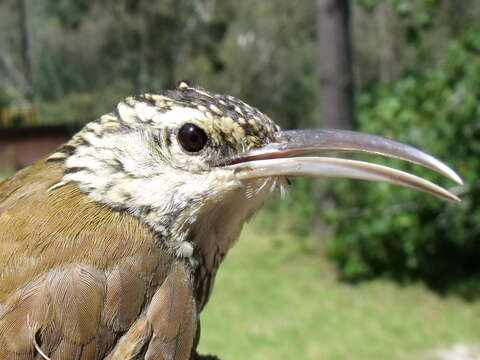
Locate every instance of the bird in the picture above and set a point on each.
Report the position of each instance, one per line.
(109, 246)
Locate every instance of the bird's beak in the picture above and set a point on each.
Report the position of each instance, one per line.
(282, 158)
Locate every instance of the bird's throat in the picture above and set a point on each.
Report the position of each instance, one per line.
(218, 227)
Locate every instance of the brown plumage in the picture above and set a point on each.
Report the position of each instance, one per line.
(109, 247)
(74, 277)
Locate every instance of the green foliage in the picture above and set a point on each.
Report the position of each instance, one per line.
(6, 173)
(5, 98)
(81, 107)
(294, 208)
(87, 46)
(70, 13)
(416, 16)
(56, 77)
(401, 233)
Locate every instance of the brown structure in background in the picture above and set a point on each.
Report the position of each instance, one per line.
(23, 146)
(335, 66)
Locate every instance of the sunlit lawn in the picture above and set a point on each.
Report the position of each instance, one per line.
(274, 301)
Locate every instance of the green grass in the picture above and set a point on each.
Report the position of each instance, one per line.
(274, 300)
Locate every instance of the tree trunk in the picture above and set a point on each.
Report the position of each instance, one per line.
(335, 63)
(25, 47)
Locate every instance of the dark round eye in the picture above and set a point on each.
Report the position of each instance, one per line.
(192, 138)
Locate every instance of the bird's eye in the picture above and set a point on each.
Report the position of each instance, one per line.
(192, 138)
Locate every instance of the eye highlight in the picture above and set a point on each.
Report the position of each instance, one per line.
(192, 138)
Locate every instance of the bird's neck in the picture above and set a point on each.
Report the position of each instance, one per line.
(188, 224)
(218, 227)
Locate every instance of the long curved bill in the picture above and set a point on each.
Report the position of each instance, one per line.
(281, 158)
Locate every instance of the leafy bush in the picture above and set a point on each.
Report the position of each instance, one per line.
(382, 230)
(5, 98)
(79, 108)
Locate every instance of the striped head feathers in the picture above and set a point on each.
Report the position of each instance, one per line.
(159, 157)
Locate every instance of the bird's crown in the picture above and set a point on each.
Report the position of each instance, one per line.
(228, 122)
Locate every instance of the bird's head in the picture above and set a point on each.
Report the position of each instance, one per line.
(189, 163)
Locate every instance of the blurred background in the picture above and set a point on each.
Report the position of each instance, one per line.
(337, 269)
